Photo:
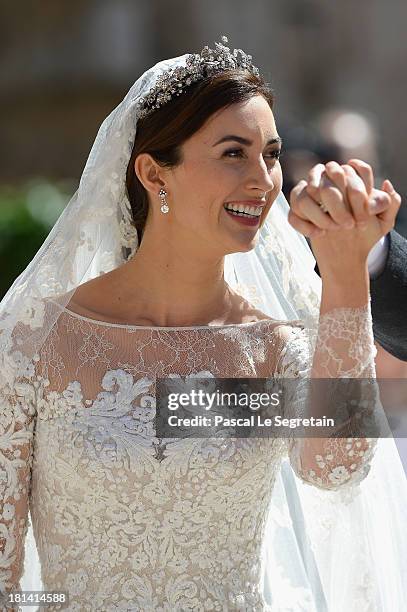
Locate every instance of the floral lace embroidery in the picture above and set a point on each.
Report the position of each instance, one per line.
(335, 462)
(122, 518)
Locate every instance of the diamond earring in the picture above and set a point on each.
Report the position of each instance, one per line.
(164, 205)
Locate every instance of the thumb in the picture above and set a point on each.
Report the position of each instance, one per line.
(388, 186)
(395, 197)
(379, 201)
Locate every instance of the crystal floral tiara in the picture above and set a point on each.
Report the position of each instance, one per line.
(198, 66)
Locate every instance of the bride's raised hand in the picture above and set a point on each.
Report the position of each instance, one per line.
(348, 179)
(344, 202)
(350, 227)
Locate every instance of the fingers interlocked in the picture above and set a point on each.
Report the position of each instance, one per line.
(335, 196)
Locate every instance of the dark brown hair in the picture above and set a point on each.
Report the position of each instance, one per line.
(162, 133)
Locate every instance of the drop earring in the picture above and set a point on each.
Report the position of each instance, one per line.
(164, 205)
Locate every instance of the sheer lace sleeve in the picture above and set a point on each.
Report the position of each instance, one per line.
(17, 422)
(340, 345)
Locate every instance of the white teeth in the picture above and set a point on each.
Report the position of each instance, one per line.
(241, 208)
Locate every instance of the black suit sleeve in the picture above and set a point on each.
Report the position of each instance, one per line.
(389, 299)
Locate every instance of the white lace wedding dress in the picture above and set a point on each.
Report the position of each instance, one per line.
(124, 520)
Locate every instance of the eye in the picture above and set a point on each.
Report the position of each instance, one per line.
(236, 153)
(230, 152)
(276, 154)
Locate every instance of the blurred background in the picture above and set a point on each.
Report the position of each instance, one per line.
(336, 68)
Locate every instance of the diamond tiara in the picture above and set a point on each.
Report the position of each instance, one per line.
(198, 66)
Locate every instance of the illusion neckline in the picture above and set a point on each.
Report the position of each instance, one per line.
(158, 327)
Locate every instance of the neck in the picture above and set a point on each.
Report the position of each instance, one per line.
(167, 286)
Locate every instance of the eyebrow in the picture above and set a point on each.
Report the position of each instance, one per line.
(245, 141)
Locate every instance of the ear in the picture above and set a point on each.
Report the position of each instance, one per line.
(149, 173)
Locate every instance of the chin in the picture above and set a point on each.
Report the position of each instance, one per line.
(247, 246)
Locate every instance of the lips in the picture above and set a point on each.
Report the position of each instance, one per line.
(251, 221)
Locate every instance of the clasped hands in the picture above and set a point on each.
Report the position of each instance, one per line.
(354, 215)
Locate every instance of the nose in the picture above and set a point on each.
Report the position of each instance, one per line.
(260, 176)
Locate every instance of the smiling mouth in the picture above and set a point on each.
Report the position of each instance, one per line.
(240, 210)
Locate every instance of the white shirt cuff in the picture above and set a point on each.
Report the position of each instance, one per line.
(377, 257)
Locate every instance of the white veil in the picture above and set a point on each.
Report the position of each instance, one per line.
(324, 550)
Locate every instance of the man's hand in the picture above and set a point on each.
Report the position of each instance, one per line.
(349, 198)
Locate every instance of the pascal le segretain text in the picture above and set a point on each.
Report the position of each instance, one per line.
(254, 420)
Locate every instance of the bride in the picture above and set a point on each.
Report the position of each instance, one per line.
(175, 259)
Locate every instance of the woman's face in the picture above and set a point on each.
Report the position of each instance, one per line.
(232, 159)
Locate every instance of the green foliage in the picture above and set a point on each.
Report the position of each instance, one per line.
(27, 213)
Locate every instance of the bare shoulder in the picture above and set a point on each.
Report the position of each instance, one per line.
(89, 294)
(92, 298)
(242, 311)
(254, 316)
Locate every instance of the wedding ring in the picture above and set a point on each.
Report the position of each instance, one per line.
(322, 207)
